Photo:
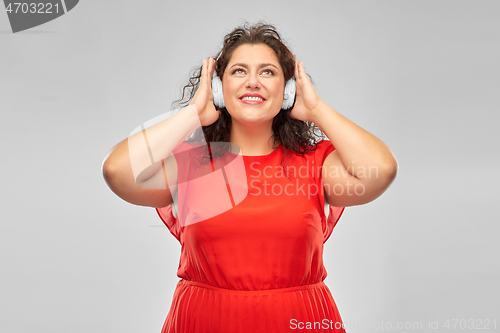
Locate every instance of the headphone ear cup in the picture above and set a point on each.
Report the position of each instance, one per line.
(217, 91)
(289, 97)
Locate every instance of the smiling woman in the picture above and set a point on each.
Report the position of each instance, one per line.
(252, 235)
(255, 55)
(253, 85)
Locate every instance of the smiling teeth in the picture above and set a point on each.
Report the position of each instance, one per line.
(248, 98)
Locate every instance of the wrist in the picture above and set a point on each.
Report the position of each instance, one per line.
(190, 116)
(192, 109)
(316, 114)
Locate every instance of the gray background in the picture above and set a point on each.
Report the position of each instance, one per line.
(423, 76)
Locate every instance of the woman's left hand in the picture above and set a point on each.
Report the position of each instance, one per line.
(306, 97)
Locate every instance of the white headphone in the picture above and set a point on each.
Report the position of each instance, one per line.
(288, 99)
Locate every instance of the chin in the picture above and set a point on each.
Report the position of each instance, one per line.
(255, 117)
(253, 114)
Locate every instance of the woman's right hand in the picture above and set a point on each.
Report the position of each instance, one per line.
(203, 99)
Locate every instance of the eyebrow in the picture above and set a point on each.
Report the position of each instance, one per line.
(260, 65)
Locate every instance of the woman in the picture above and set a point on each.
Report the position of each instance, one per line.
(254, 265)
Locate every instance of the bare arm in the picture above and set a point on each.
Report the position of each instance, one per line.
(129, 171)
(134, 169)
(362, 167)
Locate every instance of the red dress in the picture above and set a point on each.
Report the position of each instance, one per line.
(258, 267)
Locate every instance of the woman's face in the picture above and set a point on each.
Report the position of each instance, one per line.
(253, 84)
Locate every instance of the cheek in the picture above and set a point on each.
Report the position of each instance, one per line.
(228, 88)
(279, 92)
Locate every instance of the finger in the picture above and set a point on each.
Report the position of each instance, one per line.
(212, 66)
(203, 73)
(297, 70)
(302, 71)
(211, 69)
(209, 66)
(207, 72)
(295, 73)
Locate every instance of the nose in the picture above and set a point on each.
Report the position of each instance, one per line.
(253, 81)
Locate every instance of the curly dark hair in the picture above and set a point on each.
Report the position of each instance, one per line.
(295, 135)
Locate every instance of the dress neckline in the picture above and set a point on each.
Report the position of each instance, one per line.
(263, 156)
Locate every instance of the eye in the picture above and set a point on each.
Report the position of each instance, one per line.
(238, 71)
(268, 71)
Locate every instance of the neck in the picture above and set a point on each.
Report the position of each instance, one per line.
(253, 140)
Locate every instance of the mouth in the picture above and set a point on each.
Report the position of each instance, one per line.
(252, 98)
